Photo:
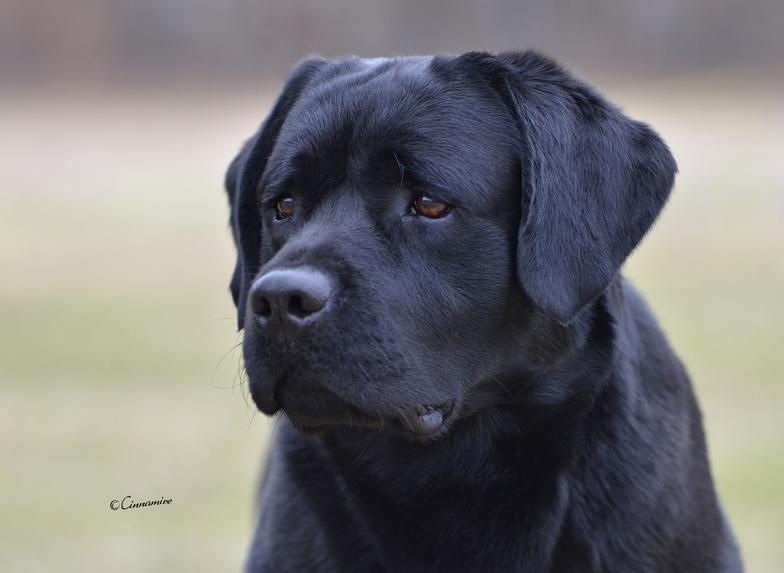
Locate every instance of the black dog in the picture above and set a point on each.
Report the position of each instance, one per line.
(428, 281)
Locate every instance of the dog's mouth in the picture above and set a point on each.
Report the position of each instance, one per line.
(312, 409)
(427, 421)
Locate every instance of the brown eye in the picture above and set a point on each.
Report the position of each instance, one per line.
(429, 207)
(284, 208)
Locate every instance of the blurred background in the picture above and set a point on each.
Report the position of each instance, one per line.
(118, 361)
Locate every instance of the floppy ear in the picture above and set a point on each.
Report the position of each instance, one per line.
(230, 183)
(242, 180)
(594, 181)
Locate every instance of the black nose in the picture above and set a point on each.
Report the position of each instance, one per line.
(286, 299)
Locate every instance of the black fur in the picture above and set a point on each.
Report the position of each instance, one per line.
(574, 442)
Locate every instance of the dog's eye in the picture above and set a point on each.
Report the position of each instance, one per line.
(284, 207)
(429, 207)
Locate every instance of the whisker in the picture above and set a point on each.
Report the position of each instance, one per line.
(505, 389)
(253, 417)
(222, 358)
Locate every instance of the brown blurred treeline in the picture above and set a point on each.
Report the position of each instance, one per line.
(88, 40)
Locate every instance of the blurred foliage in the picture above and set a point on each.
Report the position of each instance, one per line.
(84, 40)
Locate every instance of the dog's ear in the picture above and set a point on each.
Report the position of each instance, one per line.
(230, 183)
(594, 181)
(242, 180)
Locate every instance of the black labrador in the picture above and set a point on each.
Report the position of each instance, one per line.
(428, 280)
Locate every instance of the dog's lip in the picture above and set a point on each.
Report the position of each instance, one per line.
(422, 421)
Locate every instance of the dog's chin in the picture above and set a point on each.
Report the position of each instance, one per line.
(313, 410)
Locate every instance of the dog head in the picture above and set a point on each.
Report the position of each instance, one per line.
(410, 229)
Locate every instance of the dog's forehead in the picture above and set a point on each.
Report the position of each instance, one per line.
(357, 99)
(398, 112)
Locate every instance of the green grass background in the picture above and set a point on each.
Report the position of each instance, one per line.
(116, 329)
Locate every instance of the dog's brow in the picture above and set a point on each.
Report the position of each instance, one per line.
(277, 178)
(423, 174)
(402, 168)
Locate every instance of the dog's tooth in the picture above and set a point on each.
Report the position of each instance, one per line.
(427, 422)
(425, 409)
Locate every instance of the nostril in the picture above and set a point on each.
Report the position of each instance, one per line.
(261, 307)
(296, 307)
(301, 305)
